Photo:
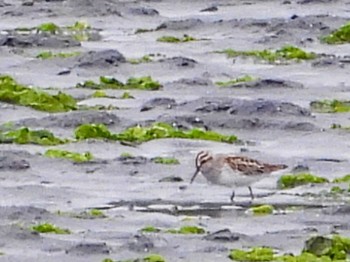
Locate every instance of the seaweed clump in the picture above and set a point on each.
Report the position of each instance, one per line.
(290, 181)
(150, 229)
(285, 53)
(140, 134)
(255, 254)
(49, 228)
(166, 160)
(80, 31)
(185, 230)
(343, 179)
(26, 136)
(173, 39)
(330, 106)
(48, 55)
(316, 249)
(243, 79)
(142, 83)
(262, 210)
(339, 36)
(75, 157)
(144, 59)
(14, 93)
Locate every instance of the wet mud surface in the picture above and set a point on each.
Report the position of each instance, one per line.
(271, 116)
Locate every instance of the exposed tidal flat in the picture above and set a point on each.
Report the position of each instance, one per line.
(105, 104)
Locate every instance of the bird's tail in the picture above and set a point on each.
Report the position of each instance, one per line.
(272, 168)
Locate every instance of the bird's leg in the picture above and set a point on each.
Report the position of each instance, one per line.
(251, 193)
(232, 196)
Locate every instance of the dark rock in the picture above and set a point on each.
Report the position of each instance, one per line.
(315, 1)
(144, 11)
(71, 119)
(3, 3)
(224, 235)
(132, 160)
(194, 81)
(89, 249)
(38, 40)
(327, 61)
(183, 122)
(9, 160)
(180, 24)
(269, 83)
(337, 210)
(24, 213)
(251, 107)
(158, 102)
(299, 126)
(300, 169)
(103, 58)
(15, 232)
(140, 243)
(318, 245)
(210, 9)
(64, 72)
(171, 179)
(259, 123)
(28, 3)
(179, 61)
(93, 8)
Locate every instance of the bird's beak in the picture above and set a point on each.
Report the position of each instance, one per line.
(194, 175)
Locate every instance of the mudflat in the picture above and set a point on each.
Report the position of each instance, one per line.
(226, 71)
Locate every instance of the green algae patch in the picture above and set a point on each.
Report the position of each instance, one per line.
(51, 28)
(75, 157)
(96, 131)
(14, 93)
(343, 179)
(154, 258)
(336, 248)
(173, 39)
(126, 95)
(163, 130)
(126, 155)
(304, 257)
(337, 190)
(316, 249)
(99, 94)
(26, 136)
(141, 83)
(90, 214)
(80, 31)
(149, 258)
(96, 213)
(150, 229)
(285, 53)
(261, 210)
(140, 134)
(243, 79)
(166, 160)
(290, 181)
(49, 228)
(144, 59)
(255, 254)
(186, 230)
(48, 55)
(143, 30)
(339, 36)
(330, 106)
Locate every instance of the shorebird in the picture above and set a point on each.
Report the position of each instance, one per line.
(232, 171)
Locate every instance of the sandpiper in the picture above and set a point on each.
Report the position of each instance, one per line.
(232, 171)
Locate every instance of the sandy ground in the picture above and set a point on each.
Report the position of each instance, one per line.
(274, 122)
